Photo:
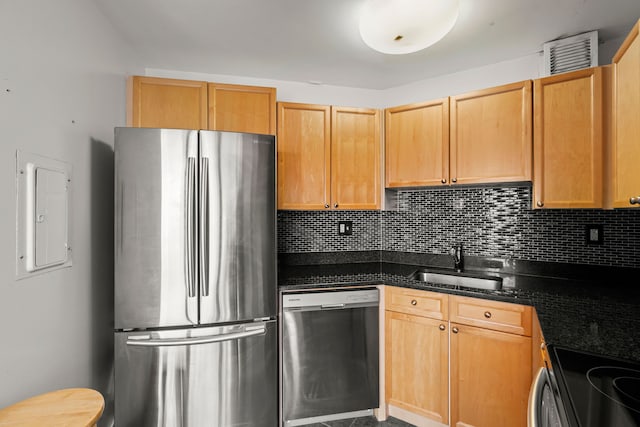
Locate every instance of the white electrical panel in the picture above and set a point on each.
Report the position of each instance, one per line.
(42, 214)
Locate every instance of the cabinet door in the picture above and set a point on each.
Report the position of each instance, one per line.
(568, 143)
(417, 144)
(490, 377)
(355, 158)
(239, 108)
(491, 135)
(166, 103)
(304, 135)
(626, 148)
(417, 365)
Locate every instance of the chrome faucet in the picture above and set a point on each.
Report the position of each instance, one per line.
(456, 253)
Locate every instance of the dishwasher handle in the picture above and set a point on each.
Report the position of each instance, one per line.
(327, 307)
(332, 306)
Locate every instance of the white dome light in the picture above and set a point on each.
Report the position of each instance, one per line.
(405, 26)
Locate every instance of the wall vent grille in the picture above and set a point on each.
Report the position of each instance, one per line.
(571, 53)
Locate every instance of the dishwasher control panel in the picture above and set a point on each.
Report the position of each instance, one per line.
(330, 299)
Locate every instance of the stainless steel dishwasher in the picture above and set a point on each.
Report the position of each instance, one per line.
(329, 355)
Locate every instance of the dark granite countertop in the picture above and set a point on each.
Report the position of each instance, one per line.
(590, 309)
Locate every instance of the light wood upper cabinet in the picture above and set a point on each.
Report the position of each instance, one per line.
(355, 158)
(417, 144)
(186, 104)
(570, 136)
(625, 155)
(491, 135)
(490, 377)
(328, 157)
(304, 153)
(239, 108)
(166, 103)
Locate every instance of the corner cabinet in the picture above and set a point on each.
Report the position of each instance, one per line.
(328, 157)
(491, 362)
(186, 104)
(626, 142)
(154, 102)
(570, 128)
(491, 135)
(417, 144)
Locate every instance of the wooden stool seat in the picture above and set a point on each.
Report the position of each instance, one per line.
(72, 407)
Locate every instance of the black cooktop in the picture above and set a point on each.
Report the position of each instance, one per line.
(601, 391)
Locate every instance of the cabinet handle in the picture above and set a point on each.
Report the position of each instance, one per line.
(335, 206)
(454, 179)
(326, 206)
(542, 346)
(487, 314)
(444, 181)
(454, 330)
(634, 200)
(540, 204)
(442, 327)
(414, 302)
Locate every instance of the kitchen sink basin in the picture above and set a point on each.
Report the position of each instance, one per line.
(455, 278)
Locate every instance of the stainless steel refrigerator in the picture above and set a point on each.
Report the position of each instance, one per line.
(195, 279)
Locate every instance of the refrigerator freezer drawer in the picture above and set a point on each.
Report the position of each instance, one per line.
(197, 377)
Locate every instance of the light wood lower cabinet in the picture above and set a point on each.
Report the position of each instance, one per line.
(417, 359)
(457, 361)
(490, 377)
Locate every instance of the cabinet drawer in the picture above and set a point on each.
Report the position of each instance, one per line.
(499, 316)
(417, 302)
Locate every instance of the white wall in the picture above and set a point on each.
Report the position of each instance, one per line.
(437, 87)
(288, 91)
(62, 90)
(514, 70)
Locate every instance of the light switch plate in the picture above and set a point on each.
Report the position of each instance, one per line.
(594, 234)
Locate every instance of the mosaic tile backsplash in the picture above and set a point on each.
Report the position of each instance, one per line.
(489, 222)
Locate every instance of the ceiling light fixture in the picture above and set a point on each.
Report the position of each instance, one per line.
(405, 26)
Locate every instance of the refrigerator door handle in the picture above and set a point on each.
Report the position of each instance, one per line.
(147, 341)
(204, 225)
(190, 225)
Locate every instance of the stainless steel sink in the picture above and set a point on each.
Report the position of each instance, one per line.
(454, 278)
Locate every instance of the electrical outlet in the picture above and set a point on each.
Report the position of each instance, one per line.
(345, 228)
(594, 234)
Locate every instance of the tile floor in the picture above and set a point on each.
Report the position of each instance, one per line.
(363, 422)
